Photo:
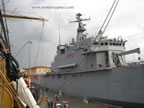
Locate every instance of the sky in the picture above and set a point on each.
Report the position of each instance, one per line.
(127, 22)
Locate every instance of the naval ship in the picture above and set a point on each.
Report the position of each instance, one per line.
(96, 69)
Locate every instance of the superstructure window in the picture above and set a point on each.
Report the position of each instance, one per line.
(102, 44)
(106, 43)
(62, 51)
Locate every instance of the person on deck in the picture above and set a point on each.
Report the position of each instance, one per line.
(54, 104)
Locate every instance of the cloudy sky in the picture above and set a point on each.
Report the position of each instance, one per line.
(127, 21)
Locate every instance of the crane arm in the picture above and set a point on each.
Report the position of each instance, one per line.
(117, 60)
(23, 17)
(137, 50)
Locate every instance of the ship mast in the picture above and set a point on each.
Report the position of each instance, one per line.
(81, 27)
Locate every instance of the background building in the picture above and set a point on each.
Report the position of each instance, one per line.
(38, 70)
(34, 71)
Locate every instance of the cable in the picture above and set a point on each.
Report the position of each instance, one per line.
(4, 38)
(41, 61)
(20, 49)
(6, 27)
(111, 16)
(107, 15)
(38, 49)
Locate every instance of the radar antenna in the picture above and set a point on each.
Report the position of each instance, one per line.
(80, 28)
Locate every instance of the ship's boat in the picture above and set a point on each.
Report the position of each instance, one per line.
(95, 68)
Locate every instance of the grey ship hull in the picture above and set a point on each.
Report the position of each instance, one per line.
(120, 86)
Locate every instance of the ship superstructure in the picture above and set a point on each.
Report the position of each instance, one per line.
(93, 53)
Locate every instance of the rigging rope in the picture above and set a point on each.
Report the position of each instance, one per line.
(6, 27)
(20, 50)
(12, 65)
(11, 89)
(41, 61)
(39, 45)
(110, 16)
(107, 16)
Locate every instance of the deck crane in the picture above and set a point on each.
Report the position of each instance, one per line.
(116, 56)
